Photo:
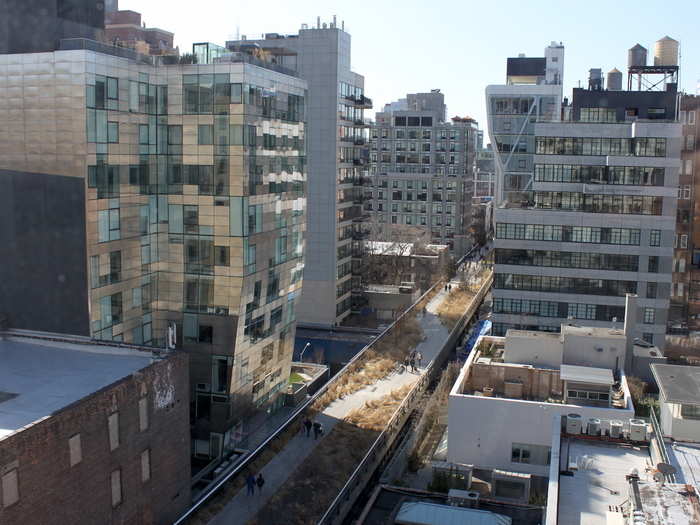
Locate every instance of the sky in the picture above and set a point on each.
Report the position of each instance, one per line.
(457, 46)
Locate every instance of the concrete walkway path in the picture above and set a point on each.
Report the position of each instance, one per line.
(243, 508)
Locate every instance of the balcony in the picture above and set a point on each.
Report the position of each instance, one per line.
(362, 101)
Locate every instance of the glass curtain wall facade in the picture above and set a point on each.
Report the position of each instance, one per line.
(195, 209)
(598, 223)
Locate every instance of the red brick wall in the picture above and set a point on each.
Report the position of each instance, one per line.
(53, 492)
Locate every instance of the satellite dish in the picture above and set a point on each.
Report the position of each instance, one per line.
(666, 469)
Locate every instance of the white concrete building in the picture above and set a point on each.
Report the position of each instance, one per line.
(500, 412)
(679, 400)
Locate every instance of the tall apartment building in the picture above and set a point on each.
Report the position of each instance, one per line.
(422, 170)
(685, 291)
(147, 203)
(35, 26)
(484, 173)
(599, 219)
(336, 145)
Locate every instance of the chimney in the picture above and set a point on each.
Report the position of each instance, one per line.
(630, 329)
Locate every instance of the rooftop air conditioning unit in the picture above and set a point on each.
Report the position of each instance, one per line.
(573, 424)
(638, 430)
(616, 429)
(488, 391)
(594, 426)
(463, 498)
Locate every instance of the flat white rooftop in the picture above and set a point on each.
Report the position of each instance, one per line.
(586, 374)
(39, 377)
(586, 497)
(686, 458)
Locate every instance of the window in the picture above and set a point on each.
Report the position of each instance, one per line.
(651, 290)
(649, 316)
(653, 265)
(116, 484)
(205, 134)
(113, 427)
(145, 465)
(74, 450)
(143, 414)
(221, 255)
(690, 411)
(691, 118)
(655, 238)
(10, 488)
(648, 337)
(530, 454)
(112, 132)
(108, 228)
(684, 241)
(220, 373)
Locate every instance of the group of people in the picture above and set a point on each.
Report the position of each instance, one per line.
(251, 482)
(412, 359)
(315, 425)
(448, 287)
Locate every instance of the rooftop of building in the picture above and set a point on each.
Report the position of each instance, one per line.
(598, 483)
(41, 374)
(603, 483)
(404, 249)
(685, 457)
(389, 502)
(678, 383)
(487, 374)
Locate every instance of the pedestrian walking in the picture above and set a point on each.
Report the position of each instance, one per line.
(250, 483)
(413, 364)
(419, 358)
(260, 482)
(449, 287)
(406, 362)
(445, 287)
(307, 425)
(318, 430)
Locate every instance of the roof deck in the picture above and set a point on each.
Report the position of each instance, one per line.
(598, 483)
(41, 376)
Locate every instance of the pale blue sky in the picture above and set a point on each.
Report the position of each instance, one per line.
(457, 46)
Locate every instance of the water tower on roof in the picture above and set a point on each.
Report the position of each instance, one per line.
(614, 80)
(663, 75)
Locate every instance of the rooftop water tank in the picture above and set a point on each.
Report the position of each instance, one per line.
(595, 79)
(637, 56)
(614, 80)
(666, 52)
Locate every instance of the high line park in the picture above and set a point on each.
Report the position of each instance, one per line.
(362, 409)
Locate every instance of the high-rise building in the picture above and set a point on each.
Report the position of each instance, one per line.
(35, 26)
(598, 220)
(158, 204)
(336, 145)
(484, 173)
(421, 171)
(532, 92)
(685, 290)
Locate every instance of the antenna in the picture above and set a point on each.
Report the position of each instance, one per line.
(238, 32)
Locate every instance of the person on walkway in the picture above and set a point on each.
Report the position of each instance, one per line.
(419, 358)
(424, 311)
(406, 362)
(250, 483)
(260, 482)
(307, 425)
(445, 287)
(413, 364)
(449, 287)
(318, 429)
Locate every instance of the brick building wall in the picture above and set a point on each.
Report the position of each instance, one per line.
(51, 491)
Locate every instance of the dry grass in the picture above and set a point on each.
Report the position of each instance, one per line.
(207, 512)
(375, 414)
(429, 430)
(376, 363)
(455, 304)
(311, 488)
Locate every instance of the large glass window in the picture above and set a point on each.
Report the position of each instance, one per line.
(549, 258)
(545, 283)
(578, 234)
(640, 147)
